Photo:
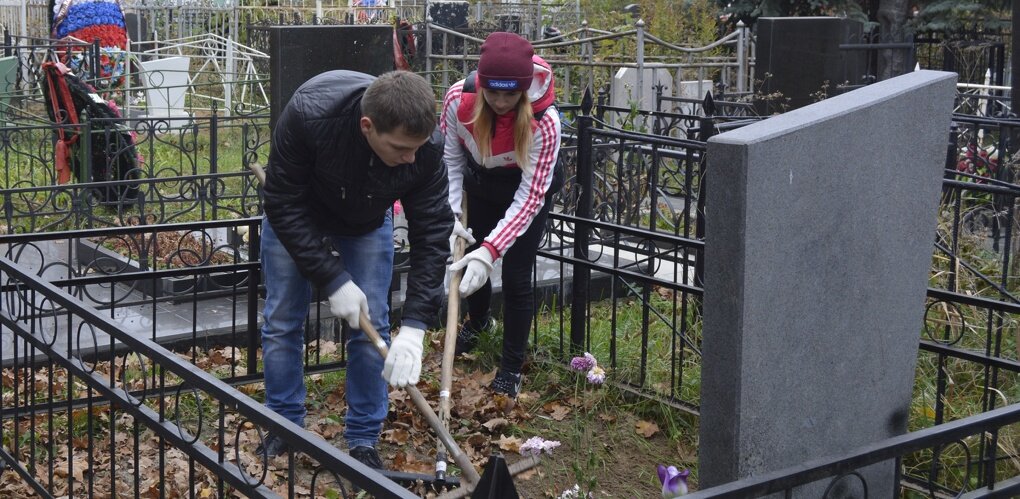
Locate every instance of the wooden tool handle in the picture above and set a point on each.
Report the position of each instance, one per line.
(467, 469)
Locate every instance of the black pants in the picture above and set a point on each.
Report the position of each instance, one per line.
(488, 198)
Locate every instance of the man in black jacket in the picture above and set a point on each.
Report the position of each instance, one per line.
(345, 147)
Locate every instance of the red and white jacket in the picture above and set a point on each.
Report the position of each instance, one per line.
(535, 179)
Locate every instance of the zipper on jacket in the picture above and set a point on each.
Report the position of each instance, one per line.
(343, 193)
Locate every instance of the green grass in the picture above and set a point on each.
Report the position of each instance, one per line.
(620, 328)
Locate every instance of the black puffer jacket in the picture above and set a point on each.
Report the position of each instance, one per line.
(324, 179)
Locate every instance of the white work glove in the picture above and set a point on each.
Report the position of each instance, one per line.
(403, 363)
(348, 302)
(461, 232)
(478, 264)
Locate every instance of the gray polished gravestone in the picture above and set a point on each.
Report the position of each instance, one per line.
(819, 236)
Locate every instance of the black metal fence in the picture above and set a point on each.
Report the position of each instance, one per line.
(196, 170)
(88, 402)
(963, 437)
(971, 54)
(626, 237)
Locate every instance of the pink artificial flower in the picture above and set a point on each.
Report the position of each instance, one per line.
(535, 445)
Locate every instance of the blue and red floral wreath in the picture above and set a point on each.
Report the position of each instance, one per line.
(88, 20)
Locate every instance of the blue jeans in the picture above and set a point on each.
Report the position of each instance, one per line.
(369, 259)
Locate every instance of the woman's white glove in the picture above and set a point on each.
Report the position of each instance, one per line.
(403, 363)
(461, 232)
(348, 302)
(478, 266)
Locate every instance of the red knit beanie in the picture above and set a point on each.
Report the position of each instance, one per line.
(505, 62)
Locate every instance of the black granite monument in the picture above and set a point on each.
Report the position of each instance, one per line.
(797, 56)
(298, 53)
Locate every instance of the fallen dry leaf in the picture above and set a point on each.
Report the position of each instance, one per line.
(503, 403)
(557, 410)
(329, 431)
(495, 423)
(478, 440)
(646, 428)
(397, 436)
(509, 444)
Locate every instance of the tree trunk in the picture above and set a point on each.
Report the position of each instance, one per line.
(892, 17)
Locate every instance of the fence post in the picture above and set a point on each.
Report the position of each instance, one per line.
(24, 19)
(253, 334)
(235, 33)
(741, 56)
(213, 154)
(9, 215)
(705, 131)
(7, 42)
(582, 230)
(600, 107)
(231, 77)
(169, 34)
(87, 167)
(952, 150)
(428, 48)
(97, 71)
(446, 65)
(640, 25)
(657, 123)
(952, 196)
(588, 53)
(538, 21)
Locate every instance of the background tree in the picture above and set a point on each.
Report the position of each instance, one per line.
(750, 10)
(684, 22)
(892, 20)
(959, 15)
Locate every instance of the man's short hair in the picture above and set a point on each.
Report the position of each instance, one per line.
(400, 99)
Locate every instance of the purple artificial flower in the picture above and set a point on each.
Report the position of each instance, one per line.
(535, 445)
(674, 482)
(596, 375)
(582, 364)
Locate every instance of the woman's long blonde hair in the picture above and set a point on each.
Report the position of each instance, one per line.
(483, 119)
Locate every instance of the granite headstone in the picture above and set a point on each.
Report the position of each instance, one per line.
(819, 236)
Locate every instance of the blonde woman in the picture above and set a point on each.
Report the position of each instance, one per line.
(502, 142)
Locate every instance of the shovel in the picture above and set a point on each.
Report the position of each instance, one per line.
(450, 346)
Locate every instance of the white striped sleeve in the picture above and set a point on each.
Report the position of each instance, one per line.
(453, 151)
(535, 182)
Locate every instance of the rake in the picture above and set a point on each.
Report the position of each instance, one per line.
(497, 480)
